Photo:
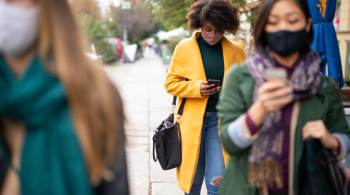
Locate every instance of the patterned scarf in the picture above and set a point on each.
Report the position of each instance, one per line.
(264, 168)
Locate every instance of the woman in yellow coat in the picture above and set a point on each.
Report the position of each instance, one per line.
(208, 54)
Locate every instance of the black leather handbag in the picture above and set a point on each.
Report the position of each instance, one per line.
(320, 171)
(167, 141)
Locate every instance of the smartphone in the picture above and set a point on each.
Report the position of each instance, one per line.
(215, 82)
(276, 74)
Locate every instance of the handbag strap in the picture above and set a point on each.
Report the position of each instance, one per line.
(174, 101)
(154, 152)
(182, 106)
(180, 112)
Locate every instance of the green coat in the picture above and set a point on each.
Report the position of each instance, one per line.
(236, 98)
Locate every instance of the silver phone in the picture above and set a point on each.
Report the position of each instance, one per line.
(276, 74)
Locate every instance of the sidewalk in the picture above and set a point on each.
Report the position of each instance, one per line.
(146, 104)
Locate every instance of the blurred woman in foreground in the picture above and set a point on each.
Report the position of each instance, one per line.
(61, 118)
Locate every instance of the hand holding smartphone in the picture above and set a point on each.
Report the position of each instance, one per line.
(210, 87)
(276, 74)
(217, 83)
(276, 92)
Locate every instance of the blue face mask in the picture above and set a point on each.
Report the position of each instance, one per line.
(19, 28)
(286, 43)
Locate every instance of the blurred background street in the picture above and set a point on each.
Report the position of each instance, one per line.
(146, 103)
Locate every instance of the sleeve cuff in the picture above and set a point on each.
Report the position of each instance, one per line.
(344, 145)
(251, 125)
(199, 83)
(240, 134)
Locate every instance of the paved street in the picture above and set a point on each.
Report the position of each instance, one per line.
(146, 104)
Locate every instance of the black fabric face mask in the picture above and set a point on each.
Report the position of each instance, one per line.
(285, 43)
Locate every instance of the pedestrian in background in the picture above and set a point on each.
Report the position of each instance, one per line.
(208, 54)
(276, 101)
(61, 118)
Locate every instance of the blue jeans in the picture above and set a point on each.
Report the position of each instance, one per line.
(211, 161)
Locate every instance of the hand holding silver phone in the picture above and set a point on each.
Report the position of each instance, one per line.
(276, 74)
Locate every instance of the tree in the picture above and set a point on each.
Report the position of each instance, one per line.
(172, 13)
(96, 28)
(138, 21)
(85, 7)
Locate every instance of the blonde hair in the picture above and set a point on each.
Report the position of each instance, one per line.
(95, 103)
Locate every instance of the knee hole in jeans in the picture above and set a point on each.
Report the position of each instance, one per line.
(216, 181)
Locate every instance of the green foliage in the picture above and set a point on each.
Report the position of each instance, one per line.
(345, 91)
(97, 30)
(173, 42)
(172, 13)
(347, 81)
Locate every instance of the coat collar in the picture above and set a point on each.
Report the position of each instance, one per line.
(225, 50)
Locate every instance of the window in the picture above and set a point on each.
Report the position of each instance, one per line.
(347, 62)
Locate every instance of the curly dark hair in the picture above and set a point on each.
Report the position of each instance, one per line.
(221, 13)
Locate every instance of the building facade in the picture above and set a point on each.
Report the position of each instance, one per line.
(343, 35)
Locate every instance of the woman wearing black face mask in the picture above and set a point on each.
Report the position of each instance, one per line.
(267, 113)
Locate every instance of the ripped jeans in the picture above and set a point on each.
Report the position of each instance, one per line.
(211, 161)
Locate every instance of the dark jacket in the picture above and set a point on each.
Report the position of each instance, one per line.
(119, 184)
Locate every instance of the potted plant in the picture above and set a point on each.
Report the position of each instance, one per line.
(346, 92)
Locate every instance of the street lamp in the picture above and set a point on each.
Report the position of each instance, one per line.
(125, 5)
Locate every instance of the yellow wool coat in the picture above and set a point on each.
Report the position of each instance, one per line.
(184, 77)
